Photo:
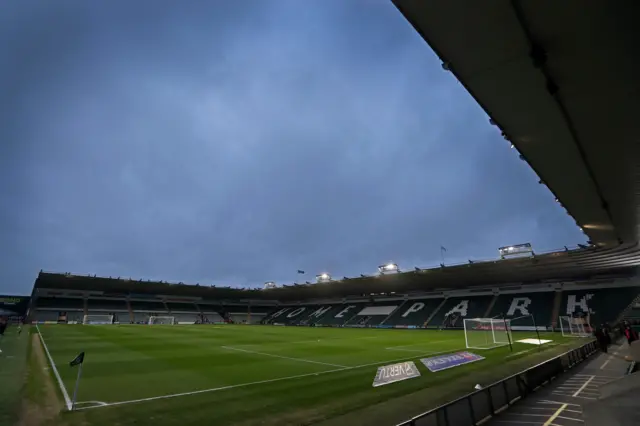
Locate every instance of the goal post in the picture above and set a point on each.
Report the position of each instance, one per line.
(97, 320)
(153, 320)
(487, 333)
(572, 327)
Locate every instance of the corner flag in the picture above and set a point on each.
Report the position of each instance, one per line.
(77, 360)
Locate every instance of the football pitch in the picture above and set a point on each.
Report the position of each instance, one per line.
(268, 375)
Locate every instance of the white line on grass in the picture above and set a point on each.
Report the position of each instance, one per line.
(240, 385)
(67, 400)
(403, 350)
(313, 341)
(283, 357)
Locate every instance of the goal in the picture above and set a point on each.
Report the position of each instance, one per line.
(487, 333)
(161, 320)
(97, 319)
(573, 327)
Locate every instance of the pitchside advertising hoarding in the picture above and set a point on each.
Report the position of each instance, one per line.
(444, 362)
(388, 374)
(393, 373)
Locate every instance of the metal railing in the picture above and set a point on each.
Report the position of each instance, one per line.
(477, 407)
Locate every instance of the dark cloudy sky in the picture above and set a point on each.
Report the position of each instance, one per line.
(234, 142)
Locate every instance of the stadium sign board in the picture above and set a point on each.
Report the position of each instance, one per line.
(443, 362)
(395, 372)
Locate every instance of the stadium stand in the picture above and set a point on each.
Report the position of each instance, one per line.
(603, 302)
(414, 312)
(179, 307)
(600, 304)
(147, 306)
(107, 305)
(375, 313)
(452, 313)
(517, 305)
(339, 315)
(60, 303)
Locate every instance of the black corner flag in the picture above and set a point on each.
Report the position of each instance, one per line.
(77, 360)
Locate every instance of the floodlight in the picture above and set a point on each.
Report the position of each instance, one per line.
(323, 277)
(389, 267)
(516, 250)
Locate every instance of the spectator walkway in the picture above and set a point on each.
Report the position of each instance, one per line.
(561, 402)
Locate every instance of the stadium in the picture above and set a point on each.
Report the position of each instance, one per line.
(504, 341)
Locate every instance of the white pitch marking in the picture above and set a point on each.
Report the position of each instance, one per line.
(153, 398)
(584, 386)
(67, 400)
(314, 341)
(421, 343)
(283, 357)
(403, 350)
(98, 403)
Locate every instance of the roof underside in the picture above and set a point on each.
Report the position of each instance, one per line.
(561, 82)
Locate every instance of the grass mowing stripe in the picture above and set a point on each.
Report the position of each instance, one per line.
(283, 357)
(154, 398)
(65, 395)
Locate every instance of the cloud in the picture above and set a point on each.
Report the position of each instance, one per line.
(222, 144)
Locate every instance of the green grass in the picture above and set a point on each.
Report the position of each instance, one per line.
(131, 362)
(13, 365)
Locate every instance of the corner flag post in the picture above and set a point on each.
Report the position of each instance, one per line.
(79, 360)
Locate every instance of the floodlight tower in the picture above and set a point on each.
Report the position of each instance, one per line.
(323, 277)
(388, 268)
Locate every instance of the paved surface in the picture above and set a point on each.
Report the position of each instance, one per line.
(560, 403)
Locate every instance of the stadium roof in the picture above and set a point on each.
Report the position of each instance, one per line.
(561, 82)
(570, 265)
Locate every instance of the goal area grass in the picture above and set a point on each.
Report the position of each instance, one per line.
(268, 375)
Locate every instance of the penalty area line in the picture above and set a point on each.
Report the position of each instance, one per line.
(240, 385)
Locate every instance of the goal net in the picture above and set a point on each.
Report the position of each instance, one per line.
(161, 320)
(573, 327)
(97, 319)
(487, 333)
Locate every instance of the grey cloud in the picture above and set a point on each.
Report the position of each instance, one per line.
(232, 145)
